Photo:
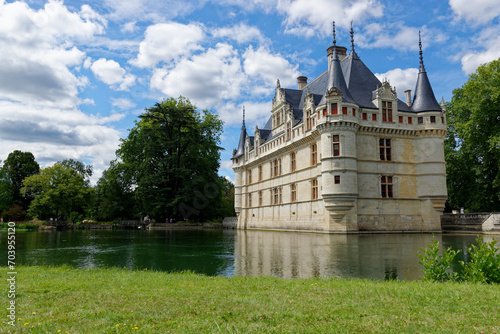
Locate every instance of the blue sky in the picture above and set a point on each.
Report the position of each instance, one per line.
(75, 75)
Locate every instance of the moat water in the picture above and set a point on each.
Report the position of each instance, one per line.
(235, 253)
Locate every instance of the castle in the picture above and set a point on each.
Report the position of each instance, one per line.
(343, 154)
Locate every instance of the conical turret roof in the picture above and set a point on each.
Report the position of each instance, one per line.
(424, 99)
(243, 136)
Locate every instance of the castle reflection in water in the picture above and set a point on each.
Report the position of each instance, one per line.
(303, 255)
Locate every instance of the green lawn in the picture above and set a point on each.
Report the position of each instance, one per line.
(66, 300)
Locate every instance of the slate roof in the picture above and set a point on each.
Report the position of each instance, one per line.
(356, 83)
(424, 99)
(241, 145)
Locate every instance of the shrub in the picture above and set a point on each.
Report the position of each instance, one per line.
(484, 263)
(437, 267)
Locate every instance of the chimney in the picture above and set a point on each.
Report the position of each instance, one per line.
(408, 97)
(341, 53)
(301, 82)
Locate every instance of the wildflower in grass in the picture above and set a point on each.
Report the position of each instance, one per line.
(26, 324)
(33, 313)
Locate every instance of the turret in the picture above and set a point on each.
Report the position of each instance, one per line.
(424, 99)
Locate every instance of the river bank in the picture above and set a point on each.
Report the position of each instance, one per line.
(63, 299)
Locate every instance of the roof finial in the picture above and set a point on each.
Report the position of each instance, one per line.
(243, 115)
(352, 39)
(334, 36)
(422, 68)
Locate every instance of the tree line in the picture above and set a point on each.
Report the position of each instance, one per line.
(165, 169)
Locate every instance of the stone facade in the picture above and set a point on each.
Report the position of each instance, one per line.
(343, 154)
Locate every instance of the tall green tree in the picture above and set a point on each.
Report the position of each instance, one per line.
(58, 191)
(15, 169)
(6, 193)
(174, 154)
(115, 193)
(84, 170)
(472, 147)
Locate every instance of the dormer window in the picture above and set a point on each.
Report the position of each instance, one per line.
(309, 120)
(386, 111)
(288, 131)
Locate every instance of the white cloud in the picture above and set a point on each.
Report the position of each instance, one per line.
(167, 41)
(129, 26)
(226, 165)
(398, 36)
(304, 18)
(266, 68)
(207, 78)
(38, 51)
(54, 134)
(256, 113)
(241, 33)
(151, 10)
(478, 11)
(402, 79)
(112, 74)
(123, 103)
(488, 43)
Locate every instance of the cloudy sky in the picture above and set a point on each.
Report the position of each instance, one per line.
(75, 75)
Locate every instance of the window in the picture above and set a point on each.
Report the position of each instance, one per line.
(293, 189)
(410, 120)
(250, 200)
(288, 131)
(344, 110)
(314, 189)
(334, 109)
(276, 196)
(386, 185)
(260, 172)
(385, 149)
(365, 116)
(442, 121)
(260, 198)
(433, 119)
(293, 164)
(420, 120)
(336, 145)
(324, 112)
(314, 154)
(386, 111)
(249, 176)
(400, 119)
(278, 118)
(353, 112)
(337, 179)
(374, 117)
(276, 167)
(308, 119)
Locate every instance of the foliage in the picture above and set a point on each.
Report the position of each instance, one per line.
(6, 192)
(18, 166)
(14, 213)
(173, 154)
(84, 170)
(58, 191)
(437, 267)
(484, 263)
(115, 195)
(472, 147)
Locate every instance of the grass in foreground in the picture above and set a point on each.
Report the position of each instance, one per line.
(66, 300)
